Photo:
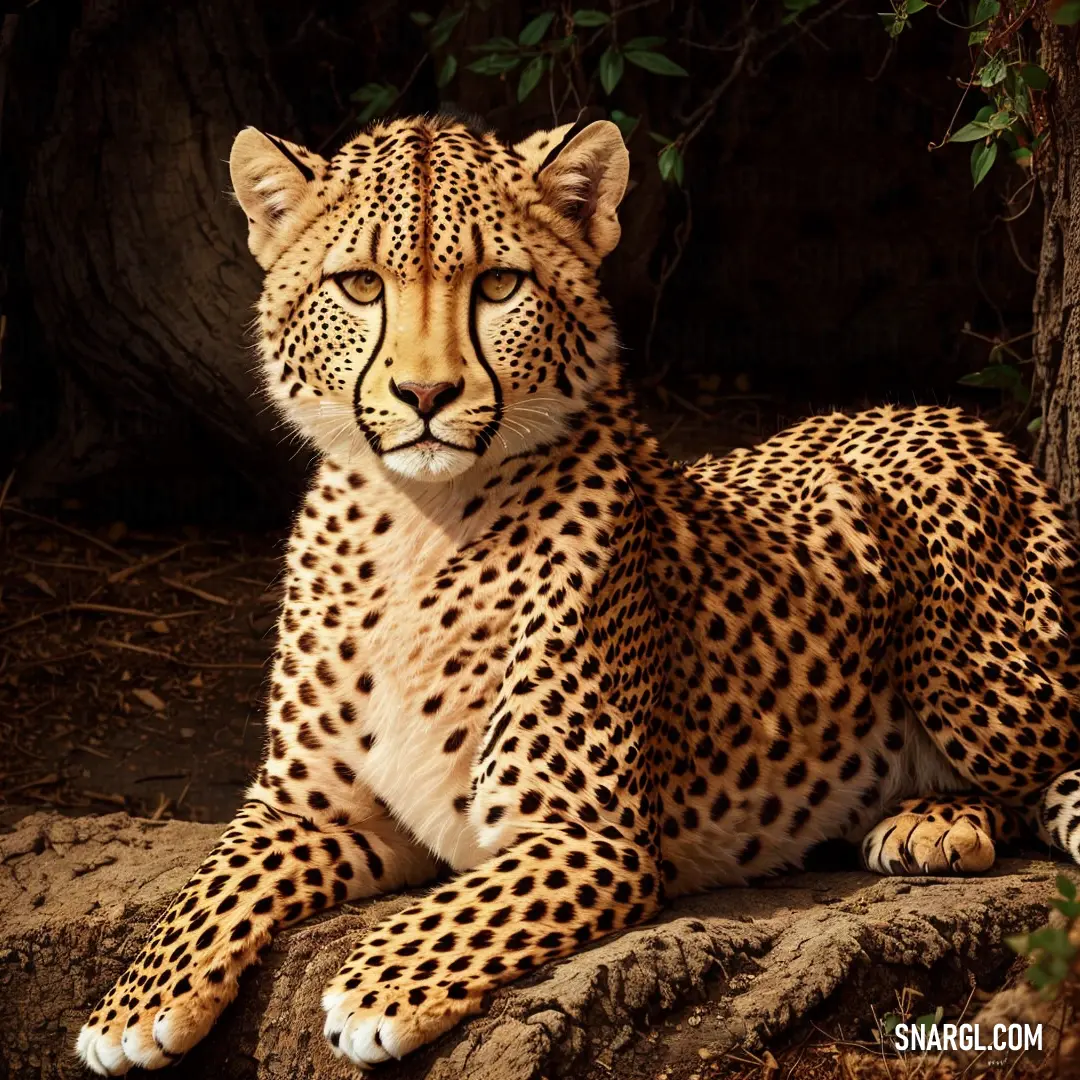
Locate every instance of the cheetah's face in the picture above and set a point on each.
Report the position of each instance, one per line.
(431, 294)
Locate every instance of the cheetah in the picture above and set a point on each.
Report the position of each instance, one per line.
(520, 646)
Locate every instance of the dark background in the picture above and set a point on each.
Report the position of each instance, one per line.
(816, 255)
(830, 259)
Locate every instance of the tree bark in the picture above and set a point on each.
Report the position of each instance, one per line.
(1057, 295)
(738, 970)
(136, 258)
(136, 255)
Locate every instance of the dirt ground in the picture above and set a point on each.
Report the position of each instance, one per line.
(131, 666)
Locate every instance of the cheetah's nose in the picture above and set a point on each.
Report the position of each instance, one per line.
(427, 398)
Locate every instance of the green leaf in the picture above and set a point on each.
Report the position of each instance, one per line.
(367, 92)
(977, 129)
(373, 109)
(911, 6)
(1035, 426)
(531, 74)
(1001, 121)
(444, 27)
(977, 37)
(1066, 886)
(1018, 942)
(1021, 99)
(1067, 14)
(672, 167)
(611, 68)
(1038, 977)
(625, 123)
(656, 62)
(1053, 940)
(663, 140)
(494, 64)
(985, 9)
(993, 71)
(1058, 967)
(589, 17)
(1069, 908)
(497, 44)
(376, 99)
(1021, 155)
(983, 157)
(643, 44)
(420, 18)
(998, 377)
(889, 1022)
(799, 6)
(928, 1020)
(447, 71)
(533, 32)
(1034, 76)
(893, 23)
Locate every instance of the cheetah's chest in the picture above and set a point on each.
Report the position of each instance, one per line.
(421, 740)
(423, 671)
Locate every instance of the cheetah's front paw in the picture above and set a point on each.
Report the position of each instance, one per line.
(125, 1033)
(167, 1001)
(370, 1024)
(928, 843)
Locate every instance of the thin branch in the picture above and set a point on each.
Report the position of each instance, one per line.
(682, 235)
(350, 118)
(88, 537)
(704, 112)
(205, 665)
(151, 560)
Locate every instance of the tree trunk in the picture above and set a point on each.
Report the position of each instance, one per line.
(136, 256)
(727, 973)
(1057, 295)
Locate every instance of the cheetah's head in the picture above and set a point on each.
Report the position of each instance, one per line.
(431, 293)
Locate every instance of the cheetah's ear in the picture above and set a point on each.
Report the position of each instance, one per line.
(272, 178)
(582, 177)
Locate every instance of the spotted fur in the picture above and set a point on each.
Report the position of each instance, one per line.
(519, 642)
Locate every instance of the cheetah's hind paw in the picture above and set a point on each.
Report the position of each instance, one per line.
(930, 839)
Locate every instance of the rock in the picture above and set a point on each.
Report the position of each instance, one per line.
(79, 895)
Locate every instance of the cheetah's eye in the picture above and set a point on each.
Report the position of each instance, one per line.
(499, 285)
(365, 286)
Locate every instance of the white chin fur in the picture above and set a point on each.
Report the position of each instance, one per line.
(430, 464)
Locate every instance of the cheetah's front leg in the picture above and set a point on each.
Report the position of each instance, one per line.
(417, 973)
(939, 835)
(268, 870)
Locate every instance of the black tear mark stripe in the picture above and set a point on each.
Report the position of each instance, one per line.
(374, 440)
(489, 431)
(478, 244)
